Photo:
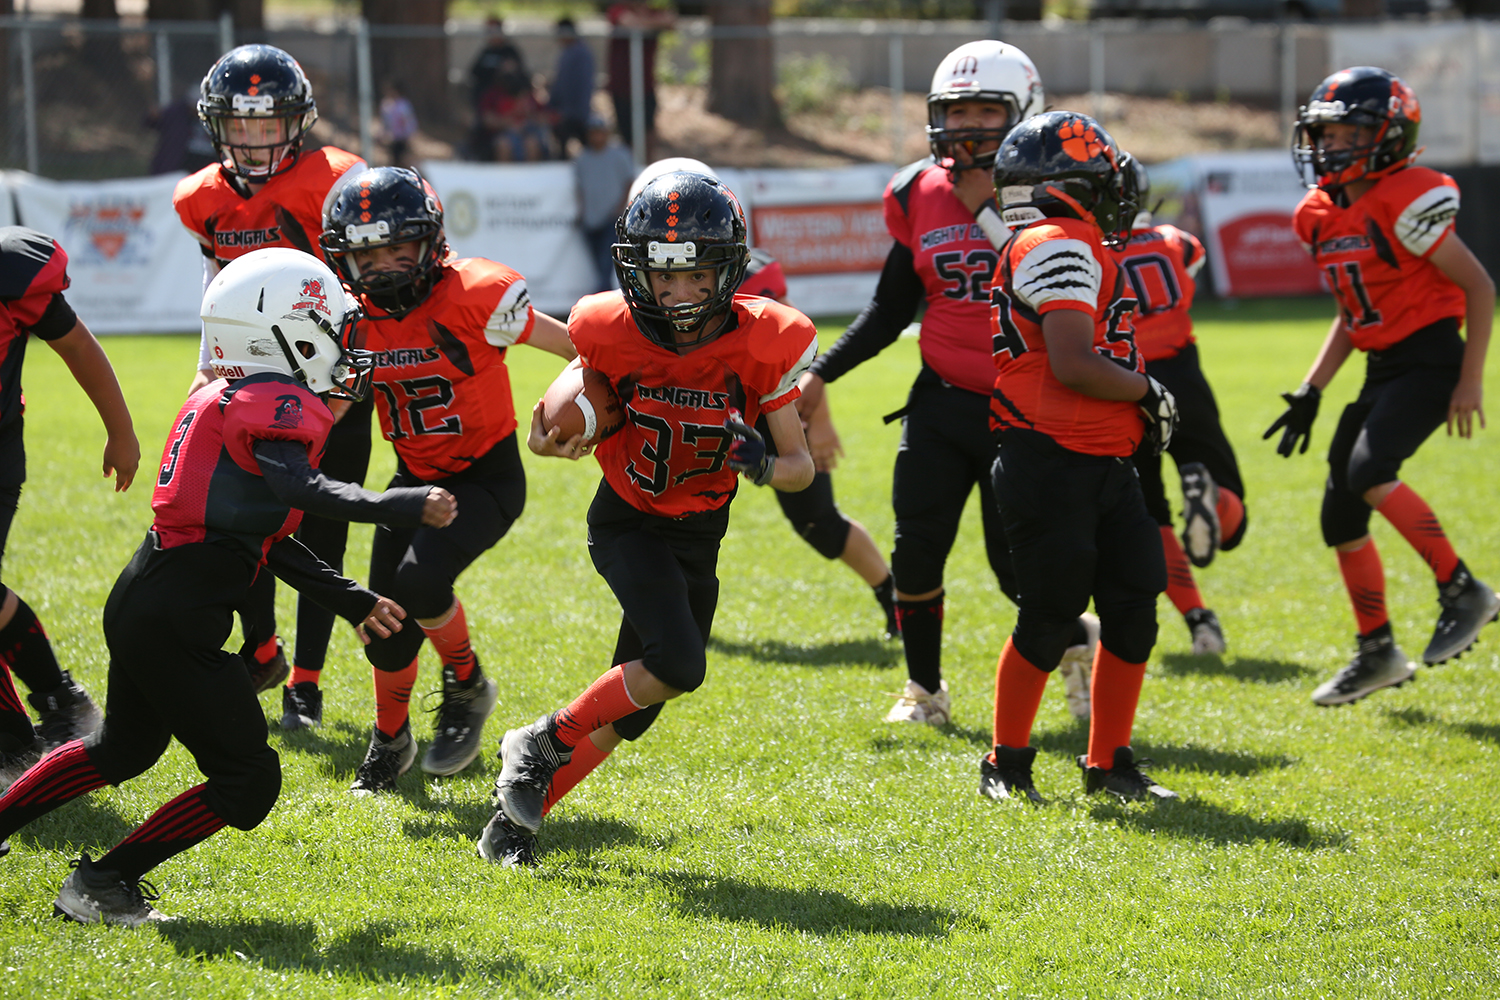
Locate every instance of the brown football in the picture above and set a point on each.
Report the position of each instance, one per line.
(581, 401)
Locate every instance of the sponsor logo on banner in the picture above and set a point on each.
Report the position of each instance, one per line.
(108, 228)
(824, 239)
(1264, 257)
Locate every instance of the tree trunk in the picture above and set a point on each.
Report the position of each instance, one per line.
(742, 70)
(418, 64)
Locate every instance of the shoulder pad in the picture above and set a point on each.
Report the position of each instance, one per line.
(905, 180)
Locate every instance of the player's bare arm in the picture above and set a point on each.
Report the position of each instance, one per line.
(812, 386)
(1069, 334)
(1331, 356)
(794, 465)
(551, 335)
(1459, 265)
(822, 437)
(92, 371)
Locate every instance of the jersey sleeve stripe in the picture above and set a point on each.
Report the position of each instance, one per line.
(1058, 270)
(788, 382)
(1423, 223)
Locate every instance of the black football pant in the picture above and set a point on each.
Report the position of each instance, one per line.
(1199, 437)
(417, 567)
(1078, 528)
(39, 669)
(1404, 399)
(812, 511)
(346, 458)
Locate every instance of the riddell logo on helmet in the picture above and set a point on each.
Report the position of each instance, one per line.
(228, 371)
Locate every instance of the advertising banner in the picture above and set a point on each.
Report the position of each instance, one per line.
(134, 267)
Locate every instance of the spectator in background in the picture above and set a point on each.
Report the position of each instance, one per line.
(183, 143)
(572, 87)
(399, 120)
(625, 18)
(498, 52)
(603, 170)
(512, 118)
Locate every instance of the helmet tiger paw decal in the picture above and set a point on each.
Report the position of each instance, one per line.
(1081, 141)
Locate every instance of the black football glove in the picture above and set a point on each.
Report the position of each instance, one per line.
(747, 452)
(1160, 411)
(1297, 421)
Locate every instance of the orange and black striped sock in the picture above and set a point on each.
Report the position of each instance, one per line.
(450, 637)
(1410, 515)
(393, 697)
(586, 757)
(1115, 694)
(1182, 589)
(1364, 578)
(604, 701)
(301, 675)
(1018, 695)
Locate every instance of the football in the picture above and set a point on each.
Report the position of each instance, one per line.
(581, 401)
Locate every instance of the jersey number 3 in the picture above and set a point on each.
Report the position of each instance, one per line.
(169, 467)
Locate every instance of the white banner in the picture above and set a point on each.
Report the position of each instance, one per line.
(134, 267)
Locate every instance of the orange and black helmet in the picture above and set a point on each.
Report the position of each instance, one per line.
(381, 207)
(257, 82)
(1063, 164)
(1367, 96)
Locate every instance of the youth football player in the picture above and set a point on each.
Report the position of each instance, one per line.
(33, 275)
(239, 467)
(438, 329)
(1071, 404)
(698, 366)
(1381, 229)
(267, 191)
(1162, 264)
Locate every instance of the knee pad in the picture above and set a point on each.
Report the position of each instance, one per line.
(118, 760)
(1367, 470)
(1042, 637)
(917, 568)
(634, 725)
(244, 796)
(425, 591)
(827, 535)
(1345, 516)
(1129, 634)
(684, 668)
(396, 651)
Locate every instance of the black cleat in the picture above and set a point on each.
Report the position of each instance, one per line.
(301, 706)
(1124, 779)
(1006, 774)
(99, 896)
(507, 844)
(529, 757)
(1467, 606)
(1379, 663)
(1208, 636)
(64, 714)
(265, 676)
(460, 722)
(388, 758)
(1200, 501)
(4, 848)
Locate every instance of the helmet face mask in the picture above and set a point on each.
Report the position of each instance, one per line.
(1360, 124)
(386, 208)
(982, 72)
(683, 223)
(281, 311)
(257, 106)
(1065, 165)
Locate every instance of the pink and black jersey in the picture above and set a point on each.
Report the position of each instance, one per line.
(33, 274)
(209, 487)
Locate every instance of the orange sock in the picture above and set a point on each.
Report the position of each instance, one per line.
(393, 697)
(450, 637)
(586, 757)
(1116, 692)
(301, 675)
(1182, 589)
(1410, 515)
(1018, 695)
(266, 651)
(1231, 510)
(606, 700)
(1364, 578)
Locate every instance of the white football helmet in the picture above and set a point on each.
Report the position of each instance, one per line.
(671, 165)
(281, 310)
(987, 70)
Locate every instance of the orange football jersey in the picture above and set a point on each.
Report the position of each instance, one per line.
(287, 212)
(1374, 254)
(1162, 265)
(442, 388)
(1061, 264)
(669, 457)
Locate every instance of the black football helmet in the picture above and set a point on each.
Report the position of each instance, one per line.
(682, 221)
(1064, 164)
(257, 83)
(1142, 182)
(383, 207)
(1363, 95)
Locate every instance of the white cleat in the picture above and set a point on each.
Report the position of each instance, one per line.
(916, 704)
(1077, 669)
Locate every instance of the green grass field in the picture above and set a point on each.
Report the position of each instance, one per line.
(771, 837)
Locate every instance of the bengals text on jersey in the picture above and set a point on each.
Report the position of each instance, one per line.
(1061, 264)
(209, 487)
(442, 388)
(33, 275)
(1374, 254)
(669, 458)
(286, 212)
(1162, 264)
(956, 263)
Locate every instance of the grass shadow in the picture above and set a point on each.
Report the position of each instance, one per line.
(1243, 668)
(1194, 819)
(374, 951)
(848, 653)
(1482, 732)
(89, 822)
(1182, 757)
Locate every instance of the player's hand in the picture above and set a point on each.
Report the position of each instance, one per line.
(546, 442)
(122, 457)
(439, 509)
(383, 619)
(824, 445)
(1160, 411)
(1467, 401)
(1297, 421)
(747, 451)
(812, 394)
